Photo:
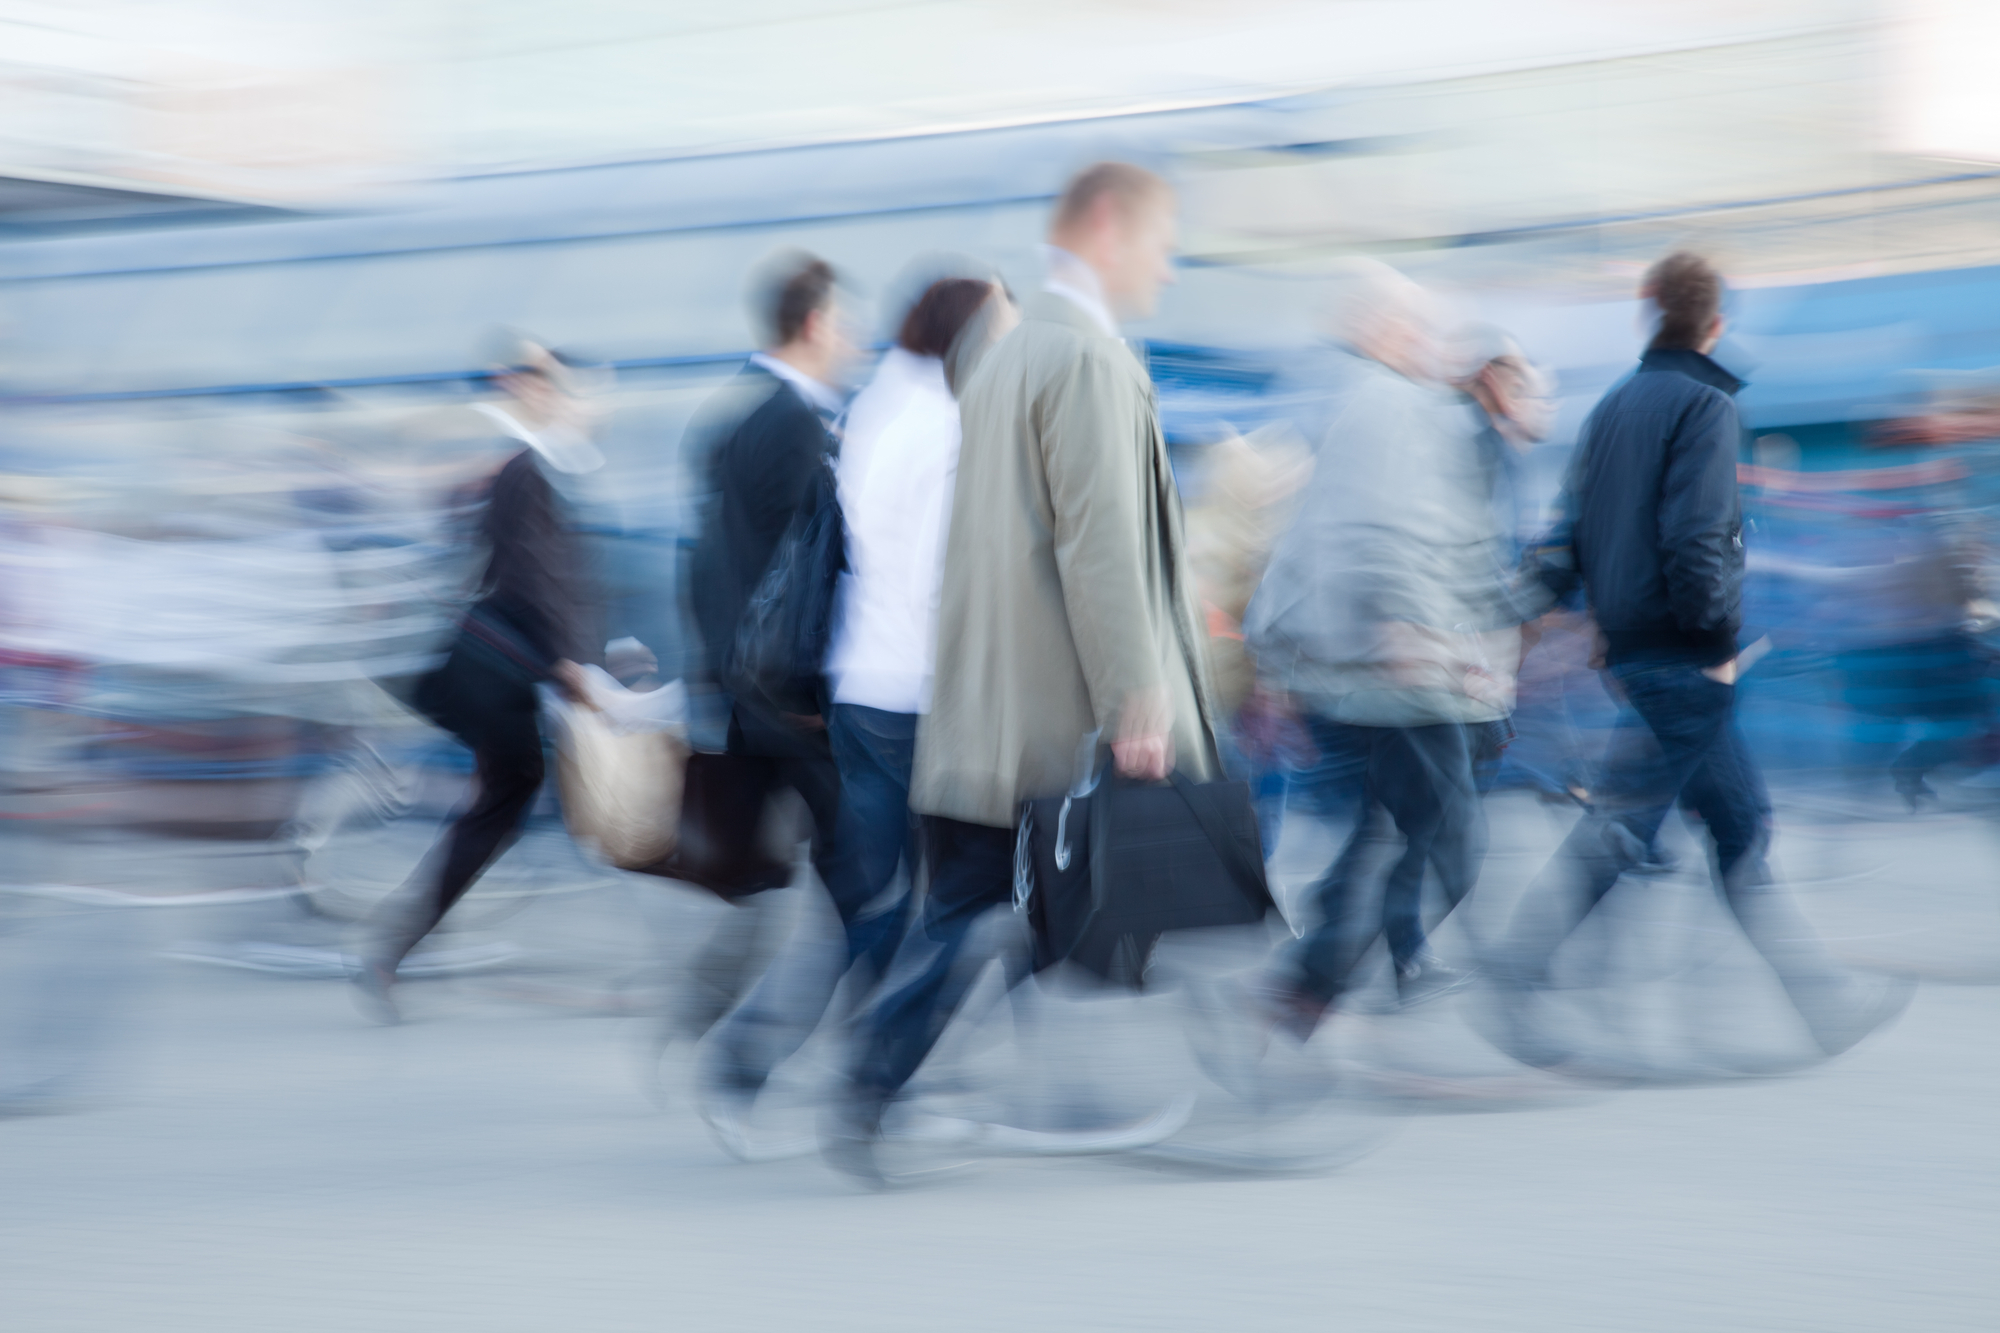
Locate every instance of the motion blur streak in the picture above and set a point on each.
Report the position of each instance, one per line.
(1582, 772)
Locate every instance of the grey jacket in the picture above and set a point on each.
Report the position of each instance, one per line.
(1385, 603)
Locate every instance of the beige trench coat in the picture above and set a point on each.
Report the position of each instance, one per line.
(1065, 587)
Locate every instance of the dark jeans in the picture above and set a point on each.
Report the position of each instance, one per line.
(1419, 778)
(971, 873)
(494, 715)
(875, 751)
(872, 754)
(1682, 745)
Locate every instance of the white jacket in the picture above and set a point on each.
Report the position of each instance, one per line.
(898, 461)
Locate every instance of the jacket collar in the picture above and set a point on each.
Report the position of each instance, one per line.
(1046, 305)
(1694, 365)
(820, 397)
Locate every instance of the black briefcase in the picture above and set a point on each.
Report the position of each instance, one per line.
(1102, 876)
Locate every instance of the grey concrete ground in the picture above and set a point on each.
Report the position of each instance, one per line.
(240, 1152)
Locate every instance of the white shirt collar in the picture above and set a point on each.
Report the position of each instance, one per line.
(577, 455)
(1078, 283)
(822, 396)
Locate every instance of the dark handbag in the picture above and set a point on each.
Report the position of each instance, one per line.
(719, 844)
(783, 637)
(1102, 875)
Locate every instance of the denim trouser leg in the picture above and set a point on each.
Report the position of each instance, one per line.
(875, 751)
(1350, 916)
(1728, 793)
(1423, 777)
(872, 751)
(972, 873)
(1419, 778)
(1690, 747)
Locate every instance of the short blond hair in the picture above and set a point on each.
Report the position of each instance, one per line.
(1129, 188)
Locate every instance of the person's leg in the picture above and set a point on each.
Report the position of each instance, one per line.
(1683, 712)
(1839, 1006)
(868, 796)
(972, 873)
(1727, 791)
(874, 752)
(1347, 920)
(508, 757)
(1426, 783)
(1349, 916)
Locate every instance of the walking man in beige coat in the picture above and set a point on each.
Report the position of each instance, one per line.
(1067, 612)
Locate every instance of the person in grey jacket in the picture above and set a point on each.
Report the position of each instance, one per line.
(1385, 617)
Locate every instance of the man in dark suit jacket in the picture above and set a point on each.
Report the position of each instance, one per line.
(757, 443)
(757, 446)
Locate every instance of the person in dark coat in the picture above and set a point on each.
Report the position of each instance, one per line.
(1653, 534)
(527, 626)
(759, 445)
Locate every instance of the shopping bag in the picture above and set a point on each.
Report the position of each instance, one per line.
(620, 767)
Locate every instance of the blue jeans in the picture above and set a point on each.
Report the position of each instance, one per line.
(1419, 778)
(972, 873)
(874, 751)
(1680, 743)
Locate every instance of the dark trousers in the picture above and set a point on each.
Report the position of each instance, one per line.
(971, 874)
(496, 716)
(1682, 745)
(873, 752)
(791, 757)
(1420, 779)
(775, 755)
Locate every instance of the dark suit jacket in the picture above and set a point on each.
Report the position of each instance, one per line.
(754, 445)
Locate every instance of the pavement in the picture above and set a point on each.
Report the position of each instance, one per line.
(221, 1148)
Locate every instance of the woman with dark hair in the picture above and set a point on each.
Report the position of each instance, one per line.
(525, 628)
(897, 462)
(897, 466)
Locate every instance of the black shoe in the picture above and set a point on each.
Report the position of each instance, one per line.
(1426, 977)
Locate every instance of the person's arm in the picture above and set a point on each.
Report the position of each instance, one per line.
(1550, 575)
(1093, 451)
(1700, 527)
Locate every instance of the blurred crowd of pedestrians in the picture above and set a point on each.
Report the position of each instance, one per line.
(1364, 613)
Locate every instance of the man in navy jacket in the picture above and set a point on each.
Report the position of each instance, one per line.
(1654, 536)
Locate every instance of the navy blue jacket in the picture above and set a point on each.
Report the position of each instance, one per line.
(756, 446)
(1655, 523)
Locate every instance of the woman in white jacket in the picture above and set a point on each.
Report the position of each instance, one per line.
(898, 461)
